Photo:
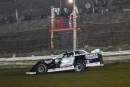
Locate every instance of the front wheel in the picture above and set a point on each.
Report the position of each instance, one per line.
(79, 67)
(41, 69)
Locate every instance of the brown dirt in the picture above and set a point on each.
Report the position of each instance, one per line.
(114, 75)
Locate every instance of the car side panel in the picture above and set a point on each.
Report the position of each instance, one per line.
(92, 59)
(67, 61)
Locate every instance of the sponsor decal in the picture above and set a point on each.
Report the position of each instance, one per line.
(49, 61)
(96, 62)
(66, 62)
(91, 56)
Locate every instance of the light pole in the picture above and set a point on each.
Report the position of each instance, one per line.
(60, 6)
(16, 12)
(74, 30)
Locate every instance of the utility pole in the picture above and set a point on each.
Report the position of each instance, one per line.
(93, 7)
(52, 27)
(16, 12)
(75, 25)
(60, 4)
(16, 15)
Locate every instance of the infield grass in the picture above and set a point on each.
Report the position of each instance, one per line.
(114, 75)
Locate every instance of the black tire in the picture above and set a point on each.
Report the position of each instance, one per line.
(41, 69)
(79, 67)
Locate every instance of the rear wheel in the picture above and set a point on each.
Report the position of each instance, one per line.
(79, 67)
(41, 69)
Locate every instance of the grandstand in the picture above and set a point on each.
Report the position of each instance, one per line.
(100, 30)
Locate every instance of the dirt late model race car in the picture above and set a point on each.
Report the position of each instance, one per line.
(74, 60)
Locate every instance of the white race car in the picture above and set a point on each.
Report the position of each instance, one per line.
(76, 60)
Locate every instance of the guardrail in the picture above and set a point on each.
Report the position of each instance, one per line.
(116, 53)
(126, 10)
(105, 54)
(27, 58)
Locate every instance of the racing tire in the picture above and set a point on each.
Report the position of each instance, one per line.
(41, 69)
(79, 67)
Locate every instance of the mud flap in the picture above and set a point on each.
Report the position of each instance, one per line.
(100, 59)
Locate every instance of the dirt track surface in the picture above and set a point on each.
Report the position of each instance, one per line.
(114, 75)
